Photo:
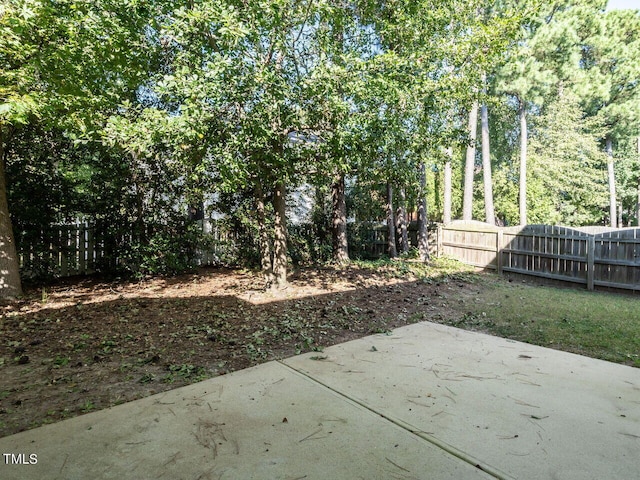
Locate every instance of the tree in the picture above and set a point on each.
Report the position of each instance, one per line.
(336, 91)
(392, 251)
(446, 218)
(524, 134)
(618, 67)
(544, 57)
(10, 285)
(490, 216)
(340, 243)
(567, 181)
(470, 164)
(638, 184)
(592, 53)
(62, 63)
(423, 232)
(401, 217)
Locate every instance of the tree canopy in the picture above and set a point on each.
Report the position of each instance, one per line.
(136, 114)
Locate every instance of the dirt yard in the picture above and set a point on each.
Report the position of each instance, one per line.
(84, 345)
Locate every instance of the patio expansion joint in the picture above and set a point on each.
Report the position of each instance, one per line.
(450, 449)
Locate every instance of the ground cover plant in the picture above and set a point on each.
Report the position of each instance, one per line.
(85, 344)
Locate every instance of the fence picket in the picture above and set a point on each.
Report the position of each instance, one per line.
(591, 256)
(595, 257)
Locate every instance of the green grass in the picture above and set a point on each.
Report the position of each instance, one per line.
(437, 269)
(597, 324)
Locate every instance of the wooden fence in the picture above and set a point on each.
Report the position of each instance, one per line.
(592, 256)
(79, 249)
(63, 250)
(373, 239)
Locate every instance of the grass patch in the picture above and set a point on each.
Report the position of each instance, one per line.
(597, 324)
(441, 269)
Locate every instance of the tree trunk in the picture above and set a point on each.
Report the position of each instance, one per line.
(423, 232)
(638, 200)
(620, 223)
(523, 163)
(339, 222)
(469, 168)
(446, 217)
(391, 226)
(280, 236)
(489, 212)
(10, 285)
(402, 222)
(263, 237)
(613, 211)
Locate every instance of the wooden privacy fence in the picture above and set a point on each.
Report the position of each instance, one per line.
(372, 241)
(62, 249)
(79, 249)
(592, 256)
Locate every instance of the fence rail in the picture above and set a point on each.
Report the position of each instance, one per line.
(594, 257)
(66, 249)
(80, 249)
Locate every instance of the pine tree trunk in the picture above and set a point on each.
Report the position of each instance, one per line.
(402, 222)
(613, 211)
(391, 227)
(280, 236)
(523, 163)
(263, 237)
(10, 285)
(489, 212)
(638, 200)
(469, 168)
(620, 223)
(446, 217)
(339, 221)
(423, 232)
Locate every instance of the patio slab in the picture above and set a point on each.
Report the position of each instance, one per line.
(519, 410)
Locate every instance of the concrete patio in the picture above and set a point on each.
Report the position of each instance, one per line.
(426, 402)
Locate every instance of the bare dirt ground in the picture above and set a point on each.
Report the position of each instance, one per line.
(82, 345)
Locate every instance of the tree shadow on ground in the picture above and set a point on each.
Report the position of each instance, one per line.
(87, 346)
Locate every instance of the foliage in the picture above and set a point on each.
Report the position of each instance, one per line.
(169, 250)
(566, 170)
(306, 247)
(130, 114)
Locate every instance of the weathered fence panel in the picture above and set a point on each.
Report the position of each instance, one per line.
(617, 259)
(374, 238)
(79, 249)
(591, 256)
(68, 250)
(473, 243)
(558, 253)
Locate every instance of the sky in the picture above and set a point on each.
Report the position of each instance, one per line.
(620, 4)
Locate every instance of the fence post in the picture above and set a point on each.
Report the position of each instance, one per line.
(499, 243)
(439, 241)
(591, 251)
